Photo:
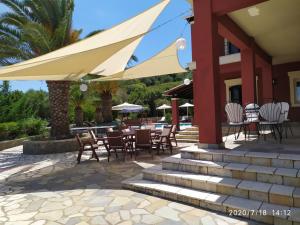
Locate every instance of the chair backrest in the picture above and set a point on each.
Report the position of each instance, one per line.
(79, 140)
(234, 113)
(173, 129)
(115, 139)
(166, 131)
(271, 112)
(252, 112)
(143, 136)
(285, 108)
(93, 136)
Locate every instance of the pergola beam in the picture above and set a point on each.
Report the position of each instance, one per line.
(221, 7)
(228, 29)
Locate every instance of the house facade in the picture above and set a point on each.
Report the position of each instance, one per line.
(260, 62)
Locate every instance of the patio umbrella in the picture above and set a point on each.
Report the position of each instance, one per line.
(164, 107)
(127, 108)
(187, 106)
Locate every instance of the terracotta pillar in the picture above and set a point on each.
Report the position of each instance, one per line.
(206, 85)
(267, 83)
(175, 112)
(248, 76)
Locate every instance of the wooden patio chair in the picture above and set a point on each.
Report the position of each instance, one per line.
(173, 134)
(86, 145)
(143, 140)
(117, 142)
(100, 141)
(163, 140)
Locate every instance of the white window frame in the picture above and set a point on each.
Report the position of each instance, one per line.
(294, 77)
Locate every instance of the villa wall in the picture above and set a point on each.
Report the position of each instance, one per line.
(281, 87)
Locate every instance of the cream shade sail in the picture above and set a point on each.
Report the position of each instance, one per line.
(130, 28)
(164, 63)
(71, 67)
(108, 51)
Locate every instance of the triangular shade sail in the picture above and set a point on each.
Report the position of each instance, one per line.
(165, 62)
(131, 28)
(72, 62)
(71, 67)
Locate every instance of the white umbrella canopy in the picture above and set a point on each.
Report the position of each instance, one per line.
(164, 107)
(187, 106)
(128, 107)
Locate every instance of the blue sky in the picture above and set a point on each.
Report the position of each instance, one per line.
(94, 14)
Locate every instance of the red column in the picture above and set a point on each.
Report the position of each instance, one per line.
(175, 112)
(248, 76)
(267, 83)
(206, 86)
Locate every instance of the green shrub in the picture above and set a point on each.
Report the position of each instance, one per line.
(32, 126)
(9, 130)
(27, 127)
(169, 118)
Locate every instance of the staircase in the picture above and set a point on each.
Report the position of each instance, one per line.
(189, 135)
(263, 187)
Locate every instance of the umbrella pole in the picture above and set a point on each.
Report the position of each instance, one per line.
(187, 112)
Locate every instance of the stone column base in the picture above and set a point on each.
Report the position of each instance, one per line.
(211, 146)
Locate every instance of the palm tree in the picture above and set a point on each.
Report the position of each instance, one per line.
(108, 88)
(78, 99)
(106, 91)
(35, 27)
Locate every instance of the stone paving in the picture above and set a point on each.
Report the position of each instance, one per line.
(53, 189)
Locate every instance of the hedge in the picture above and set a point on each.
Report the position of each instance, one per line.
(23, 128)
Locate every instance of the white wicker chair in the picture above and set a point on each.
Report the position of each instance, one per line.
(272, 119)
(235, 119)
(285, 108)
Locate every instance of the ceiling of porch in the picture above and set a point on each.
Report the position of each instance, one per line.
(275, 26)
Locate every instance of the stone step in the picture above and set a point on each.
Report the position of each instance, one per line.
(192, 129)
(253, 158)
(243, 171)
(234, 206)
(194, 137)
(187, 140)
(194, 133)
(266, 192)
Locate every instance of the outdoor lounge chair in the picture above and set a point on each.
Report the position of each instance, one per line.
(162, 120)
(143, 141)
(86, 145)
(235, 119)
(100, 141)
(163, 140)
(272, 119)
(116, 142)
(285, 107)
(173, 134)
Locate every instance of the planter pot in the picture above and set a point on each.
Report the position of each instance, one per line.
(49, 146)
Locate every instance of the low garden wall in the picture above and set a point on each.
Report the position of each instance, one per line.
(11, 143)
(49, 146)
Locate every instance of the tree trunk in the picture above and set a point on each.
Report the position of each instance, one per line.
(78, 116)
(106, 106)
(98, 115)
(59, 106)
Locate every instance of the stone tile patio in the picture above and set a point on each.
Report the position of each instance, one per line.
(53, 189)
